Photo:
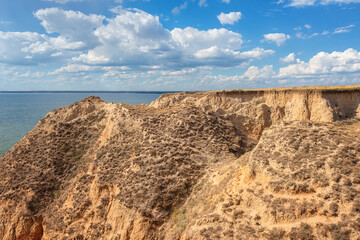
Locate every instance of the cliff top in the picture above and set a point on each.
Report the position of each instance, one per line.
(306, 88)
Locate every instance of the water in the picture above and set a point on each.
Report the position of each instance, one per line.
(20, 112)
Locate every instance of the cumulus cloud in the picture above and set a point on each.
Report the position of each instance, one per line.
(214, 47)
(226, 58)
(24, 48)
(191, 39)
(133, 39)
(333, 68)
(229, 18)
(323, 68)
(278, 38)
(289, 59)
(226, 1)
(325, 63)
(75, 33)
(62, 43)
(254, 72)
(140, 40)
(71, 25)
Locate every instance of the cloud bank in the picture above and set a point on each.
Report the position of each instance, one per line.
(322, 65)
(132, 38)
(133, 47)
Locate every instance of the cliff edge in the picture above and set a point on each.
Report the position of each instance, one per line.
(255, 164)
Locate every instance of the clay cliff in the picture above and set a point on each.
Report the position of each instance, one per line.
(255, 164)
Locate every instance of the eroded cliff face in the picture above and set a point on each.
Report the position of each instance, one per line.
(280, 164)
(255, 110)
(300, 182)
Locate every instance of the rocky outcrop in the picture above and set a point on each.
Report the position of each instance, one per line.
(271, 164)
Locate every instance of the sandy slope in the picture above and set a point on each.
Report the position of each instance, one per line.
(260, 164)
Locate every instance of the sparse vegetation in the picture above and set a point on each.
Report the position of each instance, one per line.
(197, 171)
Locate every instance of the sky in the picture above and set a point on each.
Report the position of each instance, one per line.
(177, 45)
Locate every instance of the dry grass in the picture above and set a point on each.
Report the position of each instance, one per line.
(93, 167)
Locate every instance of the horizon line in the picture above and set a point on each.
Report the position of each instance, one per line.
(89, 91)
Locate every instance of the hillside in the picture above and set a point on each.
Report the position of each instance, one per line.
(257, 164)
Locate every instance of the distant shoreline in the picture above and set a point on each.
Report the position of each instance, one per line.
(136, 92)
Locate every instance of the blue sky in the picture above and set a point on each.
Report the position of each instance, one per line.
(177, 45)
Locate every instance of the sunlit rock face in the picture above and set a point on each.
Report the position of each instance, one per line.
(260, 164)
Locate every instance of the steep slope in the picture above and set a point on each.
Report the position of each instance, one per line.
(302, 181)
(101, 169)
(235, 164)
(255, 110)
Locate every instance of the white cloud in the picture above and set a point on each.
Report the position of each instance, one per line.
(71, 25)
(92, 57)
(325, 2)
(132, 37)
(74, 68)
(323, 68)
(257, 73)
(226, 1)
(29, 74)
(257, 53)
(192, 39)
(64, 1)
(343, 29)
(278, 38)
(289, 59)
(229, 18)
(16, 47)
(301, 3)
(214, 47)
(251, 75)
(57, 54)
(325, 63)
(135, 38)
(178, 9)
(307, 26)
(226, 57)
(75, 31)
(304, 3)
(338, 30)
(202, 3)
(62, 43)
(26, 48)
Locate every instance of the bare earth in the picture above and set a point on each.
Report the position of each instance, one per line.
(255, 164)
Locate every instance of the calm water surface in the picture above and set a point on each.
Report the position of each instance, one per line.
(20, 112)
